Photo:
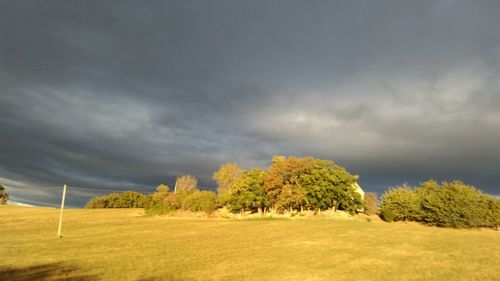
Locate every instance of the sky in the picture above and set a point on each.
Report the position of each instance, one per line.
(125, 95)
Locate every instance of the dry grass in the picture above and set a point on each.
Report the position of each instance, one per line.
(124, 245)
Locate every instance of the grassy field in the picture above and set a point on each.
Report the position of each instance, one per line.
(124, 245)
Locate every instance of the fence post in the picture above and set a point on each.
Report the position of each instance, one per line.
(61, 214)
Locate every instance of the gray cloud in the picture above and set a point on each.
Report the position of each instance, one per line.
(131, 95)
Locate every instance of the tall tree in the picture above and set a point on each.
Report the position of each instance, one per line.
(227, 175)
(247, 193)
(297, 183)
(185, 183)
(161, 193)
(283, 184)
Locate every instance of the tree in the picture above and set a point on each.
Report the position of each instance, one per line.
(200, 201)
(370, 203)
(400, 203)
(4, 196)
(185, 184)
(455, 204)
(248, 193)
(160, 193)
(331, 186)
(449, 204)
(294, 183)
(227, 175)
(128, 199)
(282, 182)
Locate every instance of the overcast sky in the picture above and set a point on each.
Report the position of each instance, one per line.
(129, 94)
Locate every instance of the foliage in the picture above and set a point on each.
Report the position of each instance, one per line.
(4, 196)
(158, 208)
(185, 183)
(399, 204)
(200, 201)
(450, 204)
(187, 198)
(370, 203)
(454, 204)
(227, 175)
(128, 199)
(160, 193)
(247, 193)
(307, 183)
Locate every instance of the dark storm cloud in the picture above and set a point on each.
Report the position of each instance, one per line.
(131, 94)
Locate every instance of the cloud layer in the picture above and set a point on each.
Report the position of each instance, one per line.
(132, 95)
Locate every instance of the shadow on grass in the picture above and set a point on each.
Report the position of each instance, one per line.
(50, 271)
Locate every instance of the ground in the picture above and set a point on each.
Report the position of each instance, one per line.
(122, 244)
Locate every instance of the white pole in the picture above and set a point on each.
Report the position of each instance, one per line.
(61, 214)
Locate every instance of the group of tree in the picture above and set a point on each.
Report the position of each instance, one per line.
(186, 196)
(289, 184)
(449, 204)
(4, 196)
(295, 184)
(128, 199)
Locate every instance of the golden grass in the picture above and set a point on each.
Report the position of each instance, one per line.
(121, 244)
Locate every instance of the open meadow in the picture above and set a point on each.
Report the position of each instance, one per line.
(122, 244)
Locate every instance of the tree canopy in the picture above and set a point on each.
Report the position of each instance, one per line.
(186, 183)
(295, 183)
(227, 174)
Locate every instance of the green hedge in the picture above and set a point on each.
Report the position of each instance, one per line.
(128, 199)
(450, 204)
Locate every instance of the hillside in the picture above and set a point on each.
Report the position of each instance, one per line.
(122, 244)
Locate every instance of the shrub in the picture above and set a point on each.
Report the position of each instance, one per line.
(399, 204)
(200, 201)
(247, 193)
(455, 204)
(158, 208)
(451, 204)
(370, 203)
(128, 199)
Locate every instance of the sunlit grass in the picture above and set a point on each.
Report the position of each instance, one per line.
(121, 244)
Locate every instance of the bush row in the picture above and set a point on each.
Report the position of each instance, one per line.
(128, 199)
(450, 204)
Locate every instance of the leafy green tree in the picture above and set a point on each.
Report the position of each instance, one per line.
(283, 182)
(128, 199)
(248, 193)
(297, 183)
(400, 204)
(200, 201)
(449, 204)
(331, 186)
(4, 196)
(227, 175)
(455, 204)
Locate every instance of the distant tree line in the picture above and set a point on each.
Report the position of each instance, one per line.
(128, 199)
(449, 204)
(289, 184)
(295, 184)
